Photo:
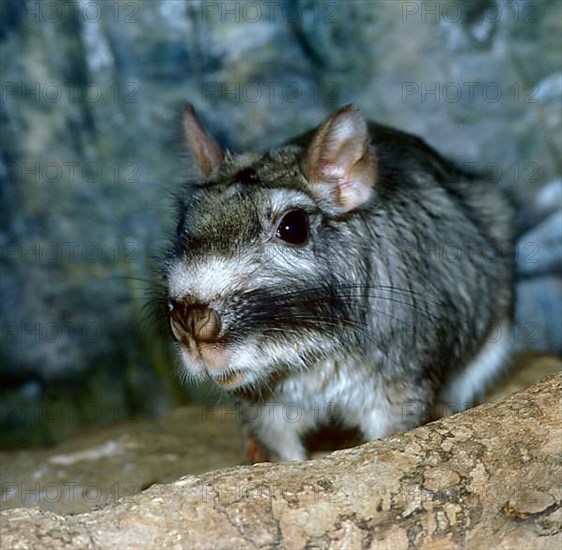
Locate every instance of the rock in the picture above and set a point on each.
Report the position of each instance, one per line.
(538, 291)
(546, 202)
(89, 471)
(488, 477)
(538, 314)
(539, 250)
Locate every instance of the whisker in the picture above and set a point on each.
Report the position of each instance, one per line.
(312, 294)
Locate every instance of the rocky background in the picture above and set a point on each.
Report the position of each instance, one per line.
(91, 151)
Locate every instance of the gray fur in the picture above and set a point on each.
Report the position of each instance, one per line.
(380, 316)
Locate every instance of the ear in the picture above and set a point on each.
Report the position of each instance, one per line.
(203, 148)
(339, 164)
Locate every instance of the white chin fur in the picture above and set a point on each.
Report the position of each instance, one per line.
(249, 358)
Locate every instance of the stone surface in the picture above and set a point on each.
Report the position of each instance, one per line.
(486, 478)
(547, 201)
(538, 317)
(540, 249)
(91, 470)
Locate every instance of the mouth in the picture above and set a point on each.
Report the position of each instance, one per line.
(230, 380)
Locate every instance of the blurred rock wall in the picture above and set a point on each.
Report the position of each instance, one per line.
(91, 151)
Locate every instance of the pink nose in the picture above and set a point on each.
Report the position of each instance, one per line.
(197, 322)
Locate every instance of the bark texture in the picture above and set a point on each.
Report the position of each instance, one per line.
(486, 478)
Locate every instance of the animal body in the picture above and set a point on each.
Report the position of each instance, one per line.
(353, 275)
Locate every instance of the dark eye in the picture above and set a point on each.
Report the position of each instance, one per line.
(293, 227)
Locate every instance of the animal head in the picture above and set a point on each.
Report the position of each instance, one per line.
(265, 243)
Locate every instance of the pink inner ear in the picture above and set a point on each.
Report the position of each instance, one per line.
(339, 154)
(331, 172)
(203, 148)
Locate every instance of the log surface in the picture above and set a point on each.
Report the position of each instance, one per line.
(487, 478)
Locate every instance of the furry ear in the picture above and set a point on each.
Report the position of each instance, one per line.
(339, 164)
(203, 148)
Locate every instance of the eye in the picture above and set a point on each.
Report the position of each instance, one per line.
(293, 227)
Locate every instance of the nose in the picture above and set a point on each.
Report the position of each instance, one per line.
(194, 321)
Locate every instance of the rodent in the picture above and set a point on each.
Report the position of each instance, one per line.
(313, 276)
